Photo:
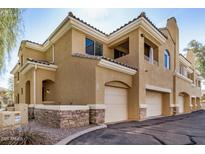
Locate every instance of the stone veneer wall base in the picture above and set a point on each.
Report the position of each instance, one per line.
(97, 116)
(143, 113)
(62, 118)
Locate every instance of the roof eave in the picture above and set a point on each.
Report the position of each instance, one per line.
(29, 65)
(116, 67)
(15, 69)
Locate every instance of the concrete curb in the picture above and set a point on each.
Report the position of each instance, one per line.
(78, 134)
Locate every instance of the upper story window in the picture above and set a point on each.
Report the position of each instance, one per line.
(93, 47)
(17, 76)
(166, 59)
(21, 60)
(183, 71)
(151, 53)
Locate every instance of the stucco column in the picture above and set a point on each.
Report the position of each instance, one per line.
(136, 47)
(141, 71)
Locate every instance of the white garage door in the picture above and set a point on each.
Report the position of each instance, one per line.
(181, 104)
(116, 104)
(154, 103)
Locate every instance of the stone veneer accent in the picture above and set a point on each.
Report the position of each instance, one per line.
(62, 118)
(174, 110)
(143, 113)
(97, 114)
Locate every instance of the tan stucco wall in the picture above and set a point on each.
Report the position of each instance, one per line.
(22, 84)
(103, 76)
(41, 75)
(81, 81)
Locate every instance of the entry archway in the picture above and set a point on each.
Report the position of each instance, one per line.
(47, 90)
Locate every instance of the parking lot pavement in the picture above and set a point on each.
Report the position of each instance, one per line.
(181, 129)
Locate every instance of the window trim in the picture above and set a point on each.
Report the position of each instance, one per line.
(167, 61)
(93, 46)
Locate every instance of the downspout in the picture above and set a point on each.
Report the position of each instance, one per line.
(34, 83)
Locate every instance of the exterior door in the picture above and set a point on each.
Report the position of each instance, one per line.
(116, 104)
(154, 103)
(181, 104)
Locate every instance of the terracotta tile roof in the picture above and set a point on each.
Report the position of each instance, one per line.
(31, 42)
(70, 14)
(142, 15)
(39, 61)
(102, 57)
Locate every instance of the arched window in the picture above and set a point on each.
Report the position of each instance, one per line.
(166, 59)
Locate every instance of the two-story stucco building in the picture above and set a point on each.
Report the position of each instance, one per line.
(133, 73)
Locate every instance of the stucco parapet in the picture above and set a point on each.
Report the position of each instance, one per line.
(96, 106)
(62, 107)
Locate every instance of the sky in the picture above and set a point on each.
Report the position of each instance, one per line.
(40, 23)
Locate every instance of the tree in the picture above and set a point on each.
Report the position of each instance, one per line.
(10, 29)
(199, 50)
(10, 90)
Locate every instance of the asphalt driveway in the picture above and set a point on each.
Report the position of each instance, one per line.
(181, 129)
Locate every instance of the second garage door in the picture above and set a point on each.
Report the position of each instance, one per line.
(181, 104)
(154, 103)
(116, 104)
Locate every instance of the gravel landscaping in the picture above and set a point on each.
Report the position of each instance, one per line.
(54, 135)
(36, 133)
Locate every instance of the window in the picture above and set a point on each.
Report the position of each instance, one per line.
(21, 60)
(21, 91)
(166, 59)
(147, 50)
(17, 99)
(98, 49)
(17, 76)
(199, 83)
(93, 48)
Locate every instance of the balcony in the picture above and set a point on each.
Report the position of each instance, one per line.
(151, 61)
